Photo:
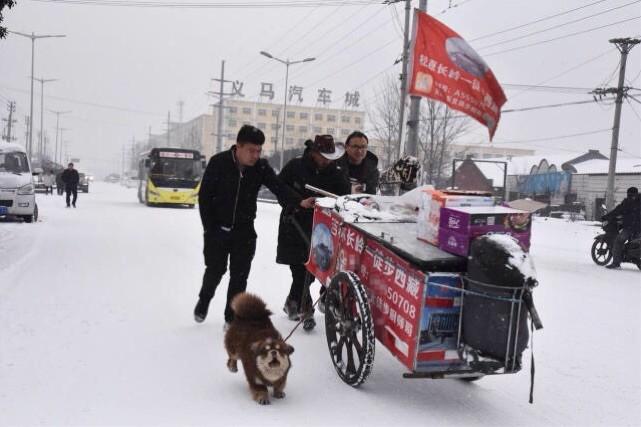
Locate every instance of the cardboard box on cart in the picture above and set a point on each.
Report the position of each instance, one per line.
(432, 201)
(459, 226)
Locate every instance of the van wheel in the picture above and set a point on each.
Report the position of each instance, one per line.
(31, 218)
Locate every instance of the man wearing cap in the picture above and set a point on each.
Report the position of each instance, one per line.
(227, 203)
(630, 211)
(317, 167)
(360, 164)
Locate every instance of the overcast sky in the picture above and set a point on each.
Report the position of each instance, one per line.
(144, 60)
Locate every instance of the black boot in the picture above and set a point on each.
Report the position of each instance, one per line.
(291, 309)
(200, 311)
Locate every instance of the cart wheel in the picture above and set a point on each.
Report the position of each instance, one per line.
(349, 328)
(601, 252)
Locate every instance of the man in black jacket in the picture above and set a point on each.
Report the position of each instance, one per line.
(630, 210)
(360, 164)
(227, 203)
(71, 178)
(317, 168)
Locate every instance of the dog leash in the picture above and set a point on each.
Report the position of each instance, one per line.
(301, 320)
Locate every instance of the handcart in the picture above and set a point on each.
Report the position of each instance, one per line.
(382, 282)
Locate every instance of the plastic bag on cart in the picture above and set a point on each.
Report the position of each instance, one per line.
(499, 275)
(367, 207)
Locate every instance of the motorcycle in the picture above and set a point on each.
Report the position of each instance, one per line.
(604, 243)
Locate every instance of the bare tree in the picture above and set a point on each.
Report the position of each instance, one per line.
(439, 128)
(384, 117)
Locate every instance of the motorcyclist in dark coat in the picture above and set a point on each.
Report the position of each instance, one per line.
(630, 211)
(317, 168)
(360, 164)
(71, 179)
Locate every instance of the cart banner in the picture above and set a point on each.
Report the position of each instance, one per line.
(335, 246)
(445, 68)
(396, 293)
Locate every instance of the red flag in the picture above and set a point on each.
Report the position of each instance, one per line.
(444, 67)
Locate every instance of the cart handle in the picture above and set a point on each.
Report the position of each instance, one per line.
(321, 191)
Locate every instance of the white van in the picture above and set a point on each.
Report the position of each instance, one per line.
(17, 195)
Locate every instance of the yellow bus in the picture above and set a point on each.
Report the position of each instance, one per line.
(170, 176)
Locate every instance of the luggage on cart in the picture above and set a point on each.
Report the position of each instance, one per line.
(494, 311)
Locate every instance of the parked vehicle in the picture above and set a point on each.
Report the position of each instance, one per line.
(17, 190)
(83, 183)
(603, 243)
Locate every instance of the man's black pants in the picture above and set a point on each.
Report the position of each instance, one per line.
(237, 246)
(300, 281)
(619, 243)
(70, 191)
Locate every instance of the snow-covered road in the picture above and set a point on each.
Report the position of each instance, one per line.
(96, 328)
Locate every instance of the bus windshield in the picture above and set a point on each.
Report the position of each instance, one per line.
(175, 169)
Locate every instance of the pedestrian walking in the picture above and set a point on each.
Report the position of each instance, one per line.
(48, 179)
(316, 167)
(60, 185)
(70, 178)
(227, 204)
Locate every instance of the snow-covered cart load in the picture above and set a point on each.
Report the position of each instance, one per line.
(383, 282)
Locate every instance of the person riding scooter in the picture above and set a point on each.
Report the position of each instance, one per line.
(630, 211)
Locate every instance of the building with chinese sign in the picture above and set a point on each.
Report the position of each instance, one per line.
(302, 123)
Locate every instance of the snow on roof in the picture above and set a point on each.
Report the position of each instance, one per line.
(11, 146)
(597, 166)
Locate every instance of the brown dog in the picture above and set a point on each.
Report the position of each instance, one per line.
(252, 339)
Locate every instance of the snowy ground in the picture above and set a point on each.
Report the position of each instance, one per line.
(96, 328)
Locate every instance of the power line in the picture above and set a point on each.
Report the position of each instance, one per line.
(561, 37)
(554, 138)
(535, 21)
(91, 104)
(213, 5)
(633, 109)
(558, 26)
(541, 88)
(569, 70)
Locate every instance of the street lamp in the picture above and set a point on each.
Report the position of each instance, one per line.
(57, 113)
(33, 38)
(41, 147)
(287, 63)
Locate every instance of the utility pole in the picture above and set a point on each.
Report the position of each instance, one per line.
(624, 45)
(221, 95)
(181, 105)
(168, 128)
(61, 145)
(57, 113)
(411, 148)
(42, 113)
(403, 93)
(10, 121)
(33, 38)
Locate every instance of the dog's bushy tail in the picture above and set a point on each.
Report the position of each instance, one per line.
(249, 307)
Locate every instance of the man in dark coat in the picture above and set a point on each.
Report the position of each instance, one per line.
(71, 178)
(630, 210)
(317, 168)
(227, 203)
(360, 164)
